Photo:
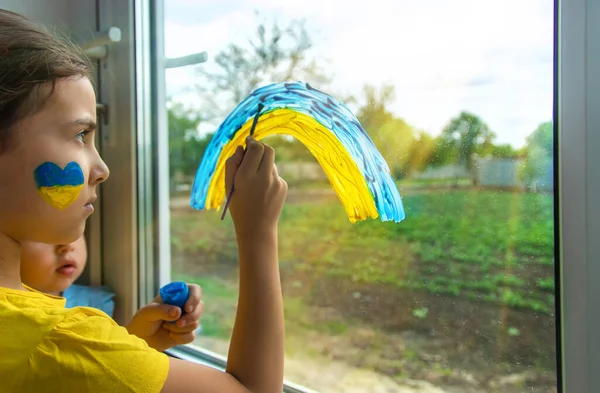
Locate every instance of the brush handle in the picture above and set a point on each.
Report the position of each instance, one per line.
(260, 107)
(227, 204)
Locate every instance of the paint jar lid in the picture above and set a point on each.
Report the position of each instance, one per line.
(175, 294)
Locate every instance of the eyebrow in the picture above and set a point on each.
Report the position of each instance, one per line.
(87, 123)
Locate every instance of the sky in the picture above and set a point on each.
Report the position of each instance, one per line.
(491, 58)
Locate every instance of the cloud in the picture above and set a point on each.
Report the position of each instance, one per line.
(488, 57)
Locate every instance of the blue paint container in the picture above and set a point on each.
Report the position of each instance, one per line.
(175, 294)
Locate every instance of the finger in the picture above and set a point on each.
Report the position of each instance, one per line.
(277, 178)
(193, 301)
(283, 186)
(158, 312)
(175, 328)
(193, 316)
(238, 156)
(232, 164)
(253, 156)
(183, 338)
(268, 159)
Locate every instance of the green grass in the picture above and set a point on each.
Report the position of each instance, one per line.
(482, 245)
(220, 300)
(435, 182)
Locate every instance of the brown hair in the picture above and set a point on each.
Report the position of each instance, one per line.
(31, 61)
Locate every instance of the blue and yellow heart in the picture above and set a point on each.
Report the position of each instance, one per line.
(59, 187)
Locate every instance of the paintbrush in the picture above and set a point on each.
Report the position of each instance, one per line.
(260, 107)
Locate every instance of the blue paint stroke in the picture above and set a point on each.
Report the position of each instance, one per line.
(49, 174)
(333, 115)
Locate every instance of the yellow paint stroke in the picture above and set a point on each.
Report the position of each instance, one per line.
(60, 196)
(343, 173)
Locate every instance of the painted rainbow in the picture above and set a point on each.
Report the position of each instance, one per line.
(357, 171)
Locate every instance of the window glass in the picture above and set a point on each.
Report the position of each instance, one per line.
(458, 98)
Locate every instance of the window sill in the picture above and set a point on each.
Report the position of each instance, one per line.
(211, 359)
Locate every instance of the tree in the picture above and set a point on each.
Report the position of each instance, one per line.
(395, 139)
(540, 153)
(273, 54)
(420, 153)
(392, 136)
(504, 151)
(464, 136)
(374, 113)
(186, 147)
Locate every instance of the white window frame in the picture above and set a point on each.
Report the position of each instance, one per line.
(118, 144)
(579, 180)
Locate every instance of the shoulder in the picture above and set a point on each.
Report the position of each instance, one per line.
(72, 350)
(27, 317)
(92, 350)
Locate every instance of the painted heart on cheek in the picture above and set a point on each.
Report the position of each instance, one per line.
(59, 187)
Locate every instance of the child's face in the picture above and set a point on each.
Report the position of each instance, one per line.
(41, 198)
(52, 269)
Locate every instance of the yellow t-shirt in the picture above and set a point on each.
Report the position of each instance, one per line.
(45, 347)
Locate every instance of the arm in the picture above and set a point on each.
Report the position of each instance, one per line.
(188, 377)
(255, 362)
(257, 343)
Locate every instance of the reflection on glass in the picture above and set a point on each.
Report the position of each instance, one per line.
(457, 97)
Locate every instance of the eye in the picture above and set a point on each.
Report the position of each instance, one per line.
(82, 135)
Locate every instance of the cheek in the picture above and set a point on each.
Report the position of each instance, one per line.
(81, 258)
(59, 186)
(29, 212)
(37, 274)
(16, 183)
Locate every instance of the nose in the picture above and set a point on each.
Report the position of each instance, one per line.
(64, 248)
(99, 171)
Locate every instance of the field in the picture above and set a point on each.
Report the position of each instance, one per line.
(464, 286)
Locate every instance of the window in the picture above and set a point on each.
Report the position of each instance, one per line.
(458, 97)
(380, 302)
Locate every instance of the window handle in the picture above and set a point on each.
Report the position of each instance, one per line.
(97, 47)
(102, 111)
(183, 61)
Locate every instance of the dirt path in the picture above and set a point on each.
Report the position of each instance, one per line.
(332, 376)
(325, 375)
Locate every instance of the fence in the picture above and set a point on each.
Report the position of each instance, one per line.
(493, 172)
(443, 172)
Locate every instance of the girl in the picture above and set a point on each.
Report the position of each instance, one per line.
(49, 172)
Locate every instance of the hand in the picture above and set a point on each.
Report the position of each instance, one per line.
(151, 322)
(259, 192)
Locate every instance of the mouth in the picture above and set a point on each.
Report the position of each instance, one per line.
(91, 200)
(68, 269)
(89, 205)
